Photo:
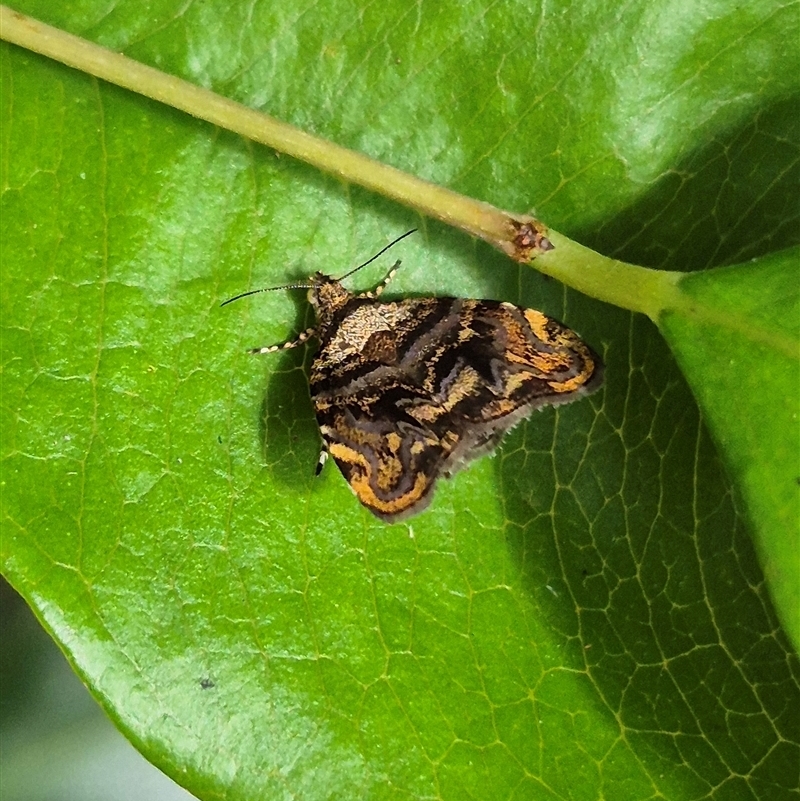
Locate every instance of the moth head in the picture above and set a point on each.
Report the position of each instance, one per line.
(327, 294)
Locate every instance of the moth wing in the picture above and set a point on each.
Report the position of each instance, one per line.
(505, 362)
(425, 399)
(390, 463)
(507, 358)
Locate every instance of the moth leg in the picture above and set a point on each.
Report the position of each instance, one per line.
(323, 457)
(292, 343)
(374, 293)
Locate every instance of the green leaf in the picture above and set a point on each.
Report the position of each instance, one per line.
(581, 615)
(737, 339)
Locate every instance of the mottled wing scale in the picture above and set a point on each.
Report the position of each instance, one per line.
(406, 392)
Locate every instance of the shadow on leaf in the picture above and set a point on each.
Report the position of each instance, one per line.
(626, 526)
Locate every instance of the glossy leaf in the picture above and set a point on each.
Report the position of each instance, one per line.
(581, 615)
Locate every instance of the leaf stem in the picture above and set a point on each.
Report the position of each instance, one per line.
(479, 218)
(519, 236)
(628, 286)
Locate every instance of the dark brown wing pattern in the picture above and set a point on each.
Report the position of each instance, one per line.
(410, 391)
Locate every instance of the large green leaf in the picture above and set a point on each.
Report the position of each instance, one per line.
(581, 615)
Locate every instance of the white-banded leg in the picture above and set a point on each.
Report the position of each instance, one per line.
(292, 343)
(374, 293)
(323, 457)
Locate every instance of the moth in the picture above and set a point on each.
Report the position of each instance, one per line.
(410, 391)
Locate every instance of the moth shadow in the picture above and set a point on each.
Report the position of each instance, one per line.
(289, 433)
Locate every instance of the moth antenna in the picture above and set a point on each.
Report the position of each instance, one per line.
(308, 286)
(379, 253)
(264, 289)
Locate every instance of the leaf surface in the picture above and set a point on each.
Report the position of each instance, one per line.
(581, 615)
